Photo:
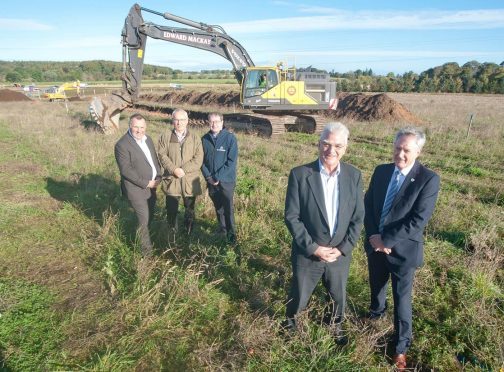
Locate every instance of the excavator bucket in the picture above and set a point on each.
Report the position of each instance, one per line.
(107, 111)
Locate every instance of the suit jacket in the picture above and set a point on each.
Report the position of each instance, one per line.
(411, 210)
(306, 216)
(134, 167)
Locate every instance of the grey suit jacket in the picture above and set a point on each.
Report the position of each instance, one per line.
(411, 210)
(134, 167)
(306, 216)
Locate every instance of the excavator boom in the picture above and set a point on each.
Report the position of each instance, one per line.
(106, 111)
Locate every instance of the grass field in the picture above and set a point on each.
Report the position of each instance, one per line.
(74, 294)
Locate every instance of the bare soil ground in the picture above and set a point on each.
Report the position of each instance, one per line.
(7, 95)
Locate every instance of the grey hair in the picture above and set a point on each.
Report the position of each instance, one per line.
(412, 131)
(179, 110)
(218, 114)
(335, 127)
(135, 116)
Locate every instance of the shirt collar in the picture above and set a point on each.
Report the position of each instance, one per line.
(324, 171)
(405, 171)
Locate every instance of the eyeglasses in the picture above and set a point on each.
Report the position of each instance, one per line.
(215, 121)
(327, 146)
(179, 120)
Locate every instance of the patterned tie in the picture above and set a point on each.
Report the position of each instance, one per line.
(394, 188)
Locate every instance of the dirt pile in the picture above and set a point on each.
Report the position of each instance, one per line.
(227, 99)
(351, 106)
(7, 95)
(378, 107)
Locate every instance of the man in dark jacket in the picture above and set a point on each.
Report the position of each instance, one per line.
(220, 150)
(399, 203)
(140, 175)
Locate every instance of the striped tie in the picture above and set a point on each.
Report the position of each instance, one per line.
(394, 188)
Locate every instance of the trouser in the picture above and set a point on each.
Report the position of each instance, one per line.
(380, 270)
(144, 210)
(172, 205)
(305, 277)
(222, 198)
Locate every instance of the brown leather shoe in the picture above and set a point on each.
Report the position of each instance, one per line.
(400, 361)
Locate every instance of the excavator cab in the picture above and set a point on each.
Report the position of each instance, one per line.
(259, 80)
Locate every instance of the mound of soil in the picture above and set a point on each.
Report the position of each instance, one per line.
(227, 99)
(353, 107)
(7, 95)
(378, 107)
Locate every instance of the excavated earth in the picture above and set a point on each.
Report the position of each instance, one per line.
(351, 106)
(7, 95)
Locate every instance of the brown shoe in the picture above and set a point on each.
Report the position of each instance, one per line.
(400, 361)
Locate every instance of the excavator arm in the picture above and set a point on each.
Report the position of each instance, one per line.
(106, 111)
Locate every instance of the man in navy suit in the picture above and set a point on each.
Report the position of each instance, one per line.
(324, 210)
(399, 203)
(140, 175)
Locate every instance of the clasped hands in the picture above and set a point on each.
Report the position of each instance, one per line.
(154, 183)
(327, 254)
(377, 243)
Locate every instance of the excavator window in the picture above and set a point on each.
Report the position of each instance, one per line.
(258, 81)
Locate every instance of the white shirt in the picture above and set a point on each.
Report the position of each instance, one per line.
(402, 173)
(143, 145)
(330, 185)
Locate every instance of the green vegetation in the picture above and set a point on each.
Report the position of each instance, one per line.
(472, 77)
(75, 295)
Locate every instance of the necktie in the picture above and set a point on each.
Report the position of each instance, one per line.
(394, 188)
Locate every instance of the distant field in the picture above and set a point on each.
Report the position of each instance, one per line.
(75, 295)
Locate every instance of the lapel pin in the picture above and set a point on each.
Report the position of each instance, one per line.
(412, 180)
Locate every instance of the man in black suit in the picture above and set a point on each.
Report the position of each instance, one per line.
(324, 211)
(399, 203)
(140, 175)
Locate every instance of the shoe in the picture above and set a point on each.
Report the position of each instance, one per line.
(339, 334)
(374, 317)
(400, 362)
(288, 327)
(231, 238)
(221, 231)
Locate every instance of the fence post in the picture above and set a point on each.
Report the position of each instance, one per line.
(470, 125)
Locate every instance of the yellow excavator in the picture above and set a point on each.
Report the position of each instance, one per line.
(58, 93)
(278, 96)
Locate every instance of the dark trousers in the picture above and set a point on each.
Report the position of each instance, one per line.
(172, 205)
(402, 284)
(144, 210)
(222, 198)
(305, 278)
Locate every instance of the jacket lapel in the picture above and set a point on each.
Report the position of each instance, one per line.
(315, 184)
(408, 180)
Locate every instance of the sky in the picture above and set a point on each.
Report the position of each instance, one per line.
(384, 36)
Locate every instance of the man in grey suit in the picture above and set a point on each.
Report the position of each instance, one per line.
(140, 175)
(324, 211)
(399, 203)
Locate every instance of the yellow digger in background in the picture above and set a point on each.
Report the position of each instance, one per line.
(58, 93)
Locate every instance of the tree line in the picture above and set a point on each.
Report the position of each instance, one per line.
(472, 77)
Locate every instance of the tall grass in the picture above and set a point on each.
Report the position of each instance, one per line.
(201, 304)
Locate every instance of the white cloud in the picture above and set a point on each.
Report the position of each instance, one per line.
(392, 53)
(334, 19)
(13, 24)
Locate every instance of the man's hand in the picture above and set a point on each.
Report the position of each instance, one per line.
(179, 173)
(377, 243)
(212, 181)
(153, 184)
(327, 254)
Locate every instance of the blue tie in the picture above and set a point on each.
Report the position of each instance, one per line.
(394, 188)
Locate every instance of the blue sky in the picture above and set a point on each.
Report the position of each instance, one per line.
(385, 36)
